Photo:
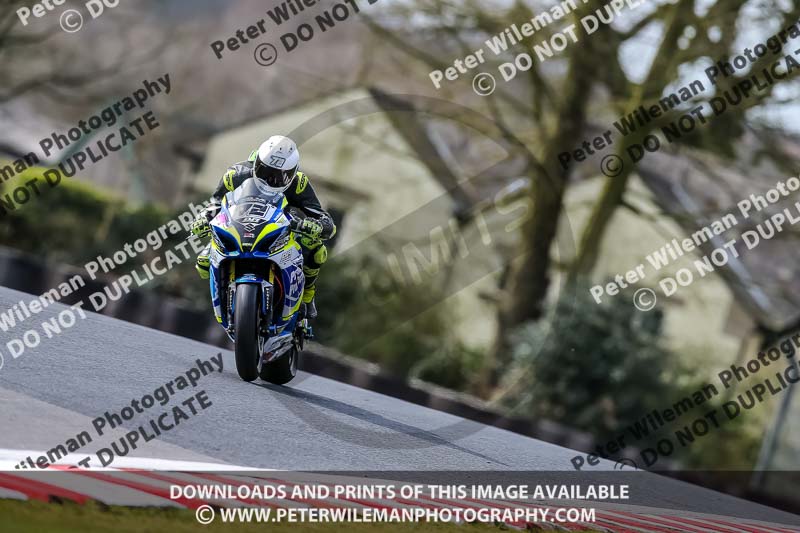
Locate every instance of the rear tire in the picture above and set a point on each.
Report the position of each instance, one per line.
(282, 370)
(246, 328)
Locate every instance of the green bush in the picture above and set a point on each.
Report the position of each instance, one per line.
(453, 365)
(351, 321)
(74, 222)
(593, 367)
(601, 367)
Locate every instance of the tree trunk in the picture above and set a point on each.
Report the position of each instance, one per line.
(661, 73)
(529, 279)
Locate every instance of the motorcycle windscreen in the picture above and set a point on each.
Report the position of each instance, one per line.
(252, 187)
(251, 207)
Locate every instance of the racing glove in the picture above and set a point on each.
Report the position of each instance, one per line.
(308, 227)
(200, 227)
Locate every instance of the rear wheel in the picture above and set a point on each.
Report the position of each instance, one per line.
(282, 370)
(246, 324)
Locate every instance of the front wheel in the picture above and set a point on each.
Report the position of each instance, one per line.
(246, 324)
(282, 370)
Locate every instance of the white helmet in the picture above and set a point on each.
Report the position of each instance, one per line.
(277, 162)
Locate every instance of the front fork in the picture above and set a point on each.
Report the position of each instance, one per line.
(234, 282)
(302, 330)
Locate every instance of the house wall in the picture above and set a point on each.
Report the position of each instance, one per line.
(698, 318)
(788, 443)
(490, 241)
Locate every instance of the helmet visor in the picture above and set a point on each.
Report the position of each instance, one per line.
(274, 177)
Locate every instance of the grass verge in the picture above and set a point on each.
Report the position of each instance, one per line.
(36, 517)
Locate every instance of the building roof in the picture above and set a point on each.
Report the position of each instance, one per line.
(696, 188)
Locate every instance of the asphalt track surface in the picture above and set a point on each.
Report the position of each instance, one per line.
(52, 392)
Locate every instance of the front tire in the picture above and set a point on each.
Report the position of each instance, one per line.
(282, 370)
(246, 327)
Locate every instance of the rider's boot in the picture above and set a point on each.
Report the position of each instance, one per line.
(310, 291)
(203, 263)
(311, 310)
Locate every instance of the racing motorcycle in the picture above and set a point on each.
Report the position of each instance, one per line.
(257, 281)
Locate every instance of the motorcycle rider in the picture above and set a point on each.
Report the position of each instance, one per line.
(276, 162)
